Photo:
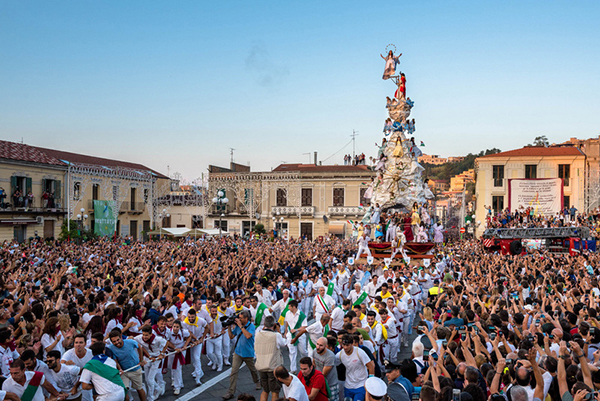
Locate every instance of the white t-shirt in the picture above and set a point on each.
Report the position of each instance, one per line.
(66, 378)
(295, 390)
(71, 355)
(47, 341)
(101, 385)
(14, 387)
(356, 369)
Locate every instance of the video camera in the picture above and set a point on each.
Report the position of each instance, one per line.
(227, 321)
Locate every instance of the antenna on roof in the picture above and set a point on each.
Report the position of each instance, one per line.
(308, 156)
(354, 135)
(231, 152)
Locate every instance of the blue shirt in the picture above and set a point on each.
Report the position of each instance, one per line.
(456, 321)
(127, 355)
(406, 384)
(245, 346)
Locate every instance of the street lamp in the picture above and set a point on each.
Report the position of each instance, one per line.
(162, 215)
(80, 219)
(220, 200)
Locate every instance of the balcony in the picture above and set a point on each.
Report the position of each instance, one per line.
(133, 207)
(220, 209)
(345, 211)
(293, 210)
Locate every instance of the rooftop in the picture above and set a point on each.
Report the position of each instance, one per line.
(312, 168)
(26, 153)
(538, 151)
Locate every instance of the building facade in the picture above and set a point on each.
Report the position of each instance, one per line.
(295, 199)
(64, 185)
(493, 172)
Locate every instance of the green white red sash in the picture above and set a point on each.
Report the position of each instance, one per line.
(32, 387)
(323, 304)
(301, 318)
(259, 314)
(361, 299)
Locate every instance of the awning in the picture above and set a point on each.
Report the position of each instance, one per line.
(18, 221)
(337, 227)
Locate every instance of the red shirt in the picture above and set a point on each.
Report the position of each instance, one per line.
(316, 381)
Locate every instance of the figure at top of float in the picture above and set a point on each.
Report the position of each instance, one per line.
(390, 64)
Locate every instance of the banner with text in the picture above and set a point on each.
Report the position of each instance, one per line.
(544, 195)
(104, 220)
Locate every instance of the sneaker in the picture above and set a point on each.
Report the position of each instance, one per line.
(226, 362)
(209, 363)
(258, 386)
(406, 343)
(227, 396)
(177, 391)
(220, 369)
(162, 390)
(193, 374)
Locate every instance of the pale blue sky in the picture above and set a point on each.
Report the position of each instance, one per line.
(178, 83)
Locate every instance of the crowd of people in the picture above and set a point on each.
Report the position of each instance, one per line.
(356, 160)
(531, 218)
(108, 320)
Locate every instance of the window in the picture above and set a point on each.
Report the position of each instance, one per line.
(364, 201)
(497, 203)
(132, 198)
(76, 190)
(223, 225)
(530, 171)
(115, 192)
(564, 172)
(307, 197)
(338, 196)
(146, 195)
(95, 190)
(498, 174)
(281, 197)
(567, 201)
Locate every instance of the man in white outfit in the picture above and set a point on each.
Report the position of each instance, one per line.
(294, 320)
(363, 245)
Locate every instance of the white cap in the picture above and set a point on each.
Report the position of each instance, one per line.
(376, 387)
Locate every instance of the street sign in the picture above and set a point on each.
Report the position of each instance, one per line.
(462, 230)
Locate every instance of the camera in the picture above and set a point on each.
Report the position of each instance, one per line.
(227, 321)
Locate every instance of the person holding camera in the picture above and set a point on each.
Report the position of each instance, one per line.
(268, 345)
(243, 338)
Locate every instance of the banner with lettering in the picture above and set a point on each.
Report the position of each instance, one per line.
(104, 220)
(544, 195)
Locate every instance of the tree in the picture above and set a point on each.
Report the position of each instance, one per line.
(259, 228)
(540, 141)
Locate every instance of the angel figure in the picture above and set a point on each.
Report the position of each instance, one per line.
(381, 151)
(381, 163)
(398, 150)
(401, 91)
(387, 128)
(391, 62)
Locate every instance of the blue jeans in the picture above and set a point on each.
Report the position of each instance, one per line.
(354, 394)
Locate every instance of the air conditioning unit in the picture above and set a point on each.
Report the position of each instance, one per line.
(39, 219)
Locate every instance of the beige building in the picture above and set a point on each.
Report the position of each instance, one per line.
(493, 172)
(31, 201)
(432, 159)
(459, 181)
(64, 185)
(295, 199)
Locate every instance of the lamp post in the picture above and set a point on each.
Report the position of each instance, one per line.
(80, 219)
(162, 215)
(221, 201)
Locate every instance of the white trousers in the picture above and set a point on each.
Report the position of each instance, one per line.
(393, 346)
(196, 361)
(150, 371)
(116, 396)
(361, 249)
(214, 348)
(294, 350)
(176, 374)
(226, 347)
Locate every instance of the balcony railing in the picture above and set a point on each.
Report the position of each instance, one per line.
(293, 210)
(345, 211)
(136, 207)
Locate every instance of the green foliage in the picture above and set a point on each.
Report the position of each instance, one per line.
(540, 141)
(447, 170)
(259, 228)
(75, 233)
